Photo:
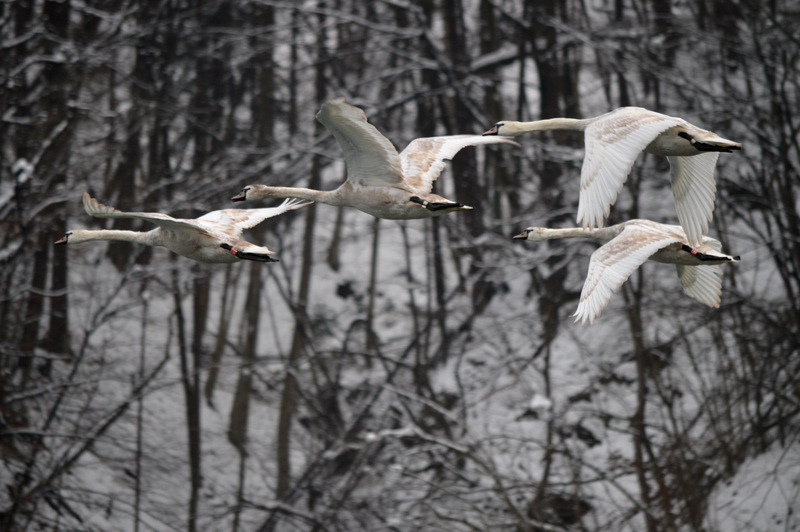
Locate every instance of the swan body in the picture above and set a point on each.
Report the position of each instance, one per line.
(213, 237)
(627, 246)
(614, 140)
(380, 181)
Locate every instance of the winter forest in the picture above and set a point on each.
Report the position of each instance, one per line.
(390, 375)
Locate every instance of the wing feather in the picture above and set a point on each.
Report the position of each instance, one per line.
(611, 265)
(370, 157)
(246, 218)
(694, 189)
(99, 210)
(703, 283)
(424, 159)
(613, 143)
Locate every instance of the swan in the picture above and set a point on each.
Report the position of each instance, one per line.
(380, 181)
(614, 140)
(213, 237)
(627, 246)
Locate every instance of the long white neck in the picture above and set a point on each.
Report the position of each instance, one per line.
(113, 234)
(517, 128)
(596, 233)
(330, 197)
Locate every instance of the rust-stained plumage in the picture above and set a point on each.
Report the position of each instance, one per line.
(628, 245)
(380, 181)
(614, 140)
(213, 237)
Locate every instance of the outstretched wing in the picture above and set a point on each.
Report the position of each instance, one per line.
(234, 221)
(99, 210)
(612, 263)
(371, 159)
(703, 283)
(424, 158)
(694, 189)
(613, 143)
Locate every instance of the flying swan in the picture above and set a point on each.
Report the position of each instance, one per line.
(628, 245)
(380, 181)
(213, 237)
(615, 139)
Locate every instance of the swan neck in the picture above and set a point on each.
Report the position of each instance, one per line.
(320, 196)
(116, 234)
(554, 124)
(570, 232)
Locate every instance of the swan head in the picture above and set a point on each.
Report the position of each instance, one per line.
(505, 129)
(242, 196)
(74, 237)
(257, 192)
(535, 234)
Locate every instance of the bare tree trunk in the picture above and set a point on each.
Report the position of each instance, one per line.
(469, 189)
(138, 453)
(51, 169)
(191, 390)
(240, 407)
(222, 338)
(373, 276)
(123, 180)
(638, 425)
(34, 305)
(289, 392)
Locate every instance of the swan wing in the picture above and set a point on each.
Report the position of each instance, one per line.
(612, 263)
(371, 158)
(240, 219)
(703, 283)
(694, 188)
(424, 159)
(613, 142)
(713, 243)
(165, 221)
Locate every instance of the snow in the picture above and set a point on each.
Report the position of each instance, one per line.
(763, 495)
(464, 441)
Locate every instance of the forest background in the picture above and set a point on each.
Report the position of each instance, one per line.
(419, 375)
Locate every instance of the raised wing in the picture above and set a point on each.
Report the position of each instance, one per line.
(703, 283)
(611, 265)
(612, 145)
(246, 218)
(424, 159)
(371, 159)
(694, 188)
(99, 210)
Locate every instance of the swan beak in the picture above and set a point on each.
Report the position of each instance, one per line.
(523, 235)
(241, 196)
(63, 240)
(492, 131)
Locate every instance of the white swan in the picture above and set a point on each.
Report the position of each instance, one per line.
(213, 237)
(380, 181)
(628, 246)
(615, 139)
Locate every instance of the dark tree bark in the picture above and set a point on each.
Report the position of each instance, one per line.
(288, 402)
(52, 162)
(190, 378)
